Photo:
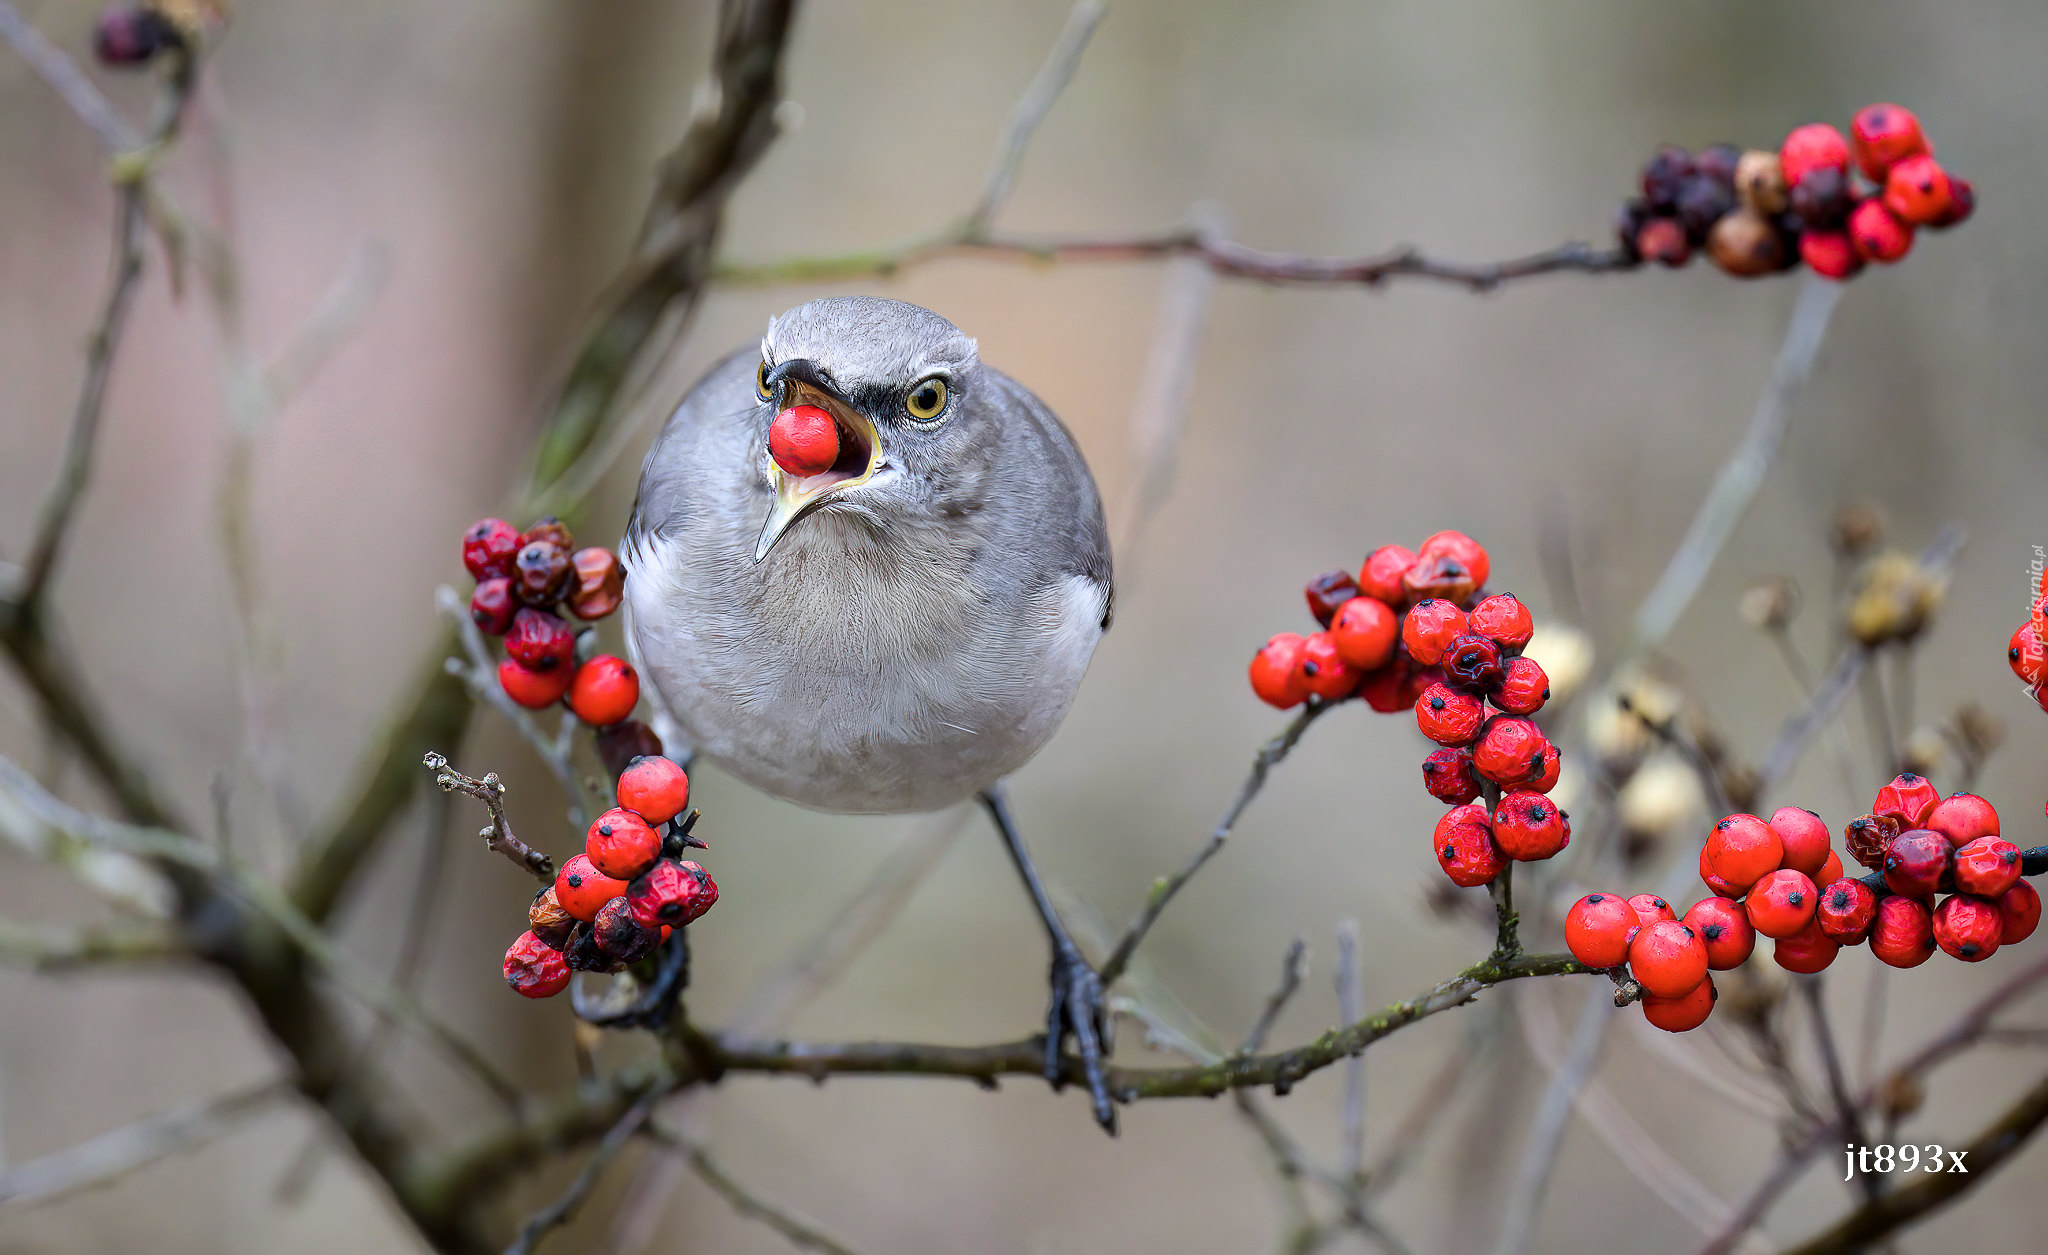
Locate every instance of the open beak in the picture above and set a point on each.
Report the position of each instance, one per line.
(797, 382)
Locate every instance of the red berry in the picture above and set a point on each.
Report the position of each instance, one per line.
(1815, 146)
(1503, 619)
(583, 890)
(1598, 929)
(2020, 911)
(1511, 751)
(540, 573)
(804, 441)
(539, 640)
(1968, 927)
(1743, 849)
(706, 896)
(1878, 234)
(664, 894)
(654, 788)
(1650, 908)
(621, 844)
(1903, 935)
(1323, 670)
(1830, 254)
(129, 36)
(1987, 867)
(1916, 191)
(1684, 1013)
(535, 969)
(605, 691)
(1663, 240)
(1667, 959)
(1472, 664)
(598, 583)
(1553, 764)
(1830, 871)
(488, 548)
(1432, 624)
(1447, 716)
(1908, 799)
(548, 920)
(1276, 672)
(1461, 547)
(1724, 928)
(1806, 840)
(1365, 631)
(1523, 687)
(1382, 575)
(1868, 836)
(1465, 847)
(1448, 775)
(492, 606)
(621, 937)
(1415, 681)
(1916, 861)
(1848, 908)
(1721, 888)
(1327, 592)
(1782, 904)
(1882, 135)
(1528, 826)
(1807, 951)
(533, 689)
(2038, 616)
(2028, 656)
(1387, 689)
(1441, 576)
(1962, 202)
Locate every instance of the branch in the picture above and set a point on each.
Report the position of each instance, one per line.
(1030, 110)
(123, 1150)
(49, 949)
(558, 1212)
(67, 80)
(801, 1232)
(1546, 1131)
(498, 837)
(480, 673)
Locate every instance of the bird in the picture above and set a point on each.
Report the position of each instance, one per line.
(899, 632)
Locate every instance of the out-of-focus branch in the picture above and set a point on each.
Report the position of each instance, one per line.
(67, 80)
(1815, 993)
(114, 1154)
(559, 1212)
(1546, 1131)
(801, 1232)
(54, 950)
(1030, 110)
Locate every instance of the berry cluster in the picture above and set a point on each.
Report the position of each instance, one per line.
(2028, 653)
(1781, 878)
(611, 905)
(1759, 212)
(521, 580)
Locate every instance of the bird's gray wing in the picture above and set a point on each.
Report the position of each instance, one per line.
(699, 461)
(1042, 453)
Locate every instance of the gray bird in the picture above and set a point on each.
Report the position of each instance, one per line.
(899, 632)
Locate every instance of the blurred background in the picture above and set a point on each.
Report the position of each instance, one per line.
(493, 158)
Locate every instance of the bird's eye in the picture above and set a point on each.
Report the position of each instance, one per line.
(761, 380)
(926, 400)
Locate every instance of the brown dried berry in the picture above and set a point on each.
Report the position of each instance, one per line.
(598, 583)
(1760, 181)
(584, 955)
(540, 573)
(621, 743)
(1441, 576)
(1746, 244)
(548, 920)
(1868, 835)
(620, 935)
(550, 529)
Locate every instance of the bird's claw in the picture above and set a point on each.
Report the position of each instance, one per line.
(1077, 1009)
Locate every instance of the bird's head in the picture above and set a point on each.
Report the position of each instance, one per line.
(899, 383)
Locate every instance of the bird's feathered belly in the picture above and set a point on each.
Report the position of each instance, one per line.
(855, 678)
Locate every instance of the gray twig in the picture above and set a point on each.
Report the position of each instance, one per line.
(1292, 968)
(498, 837)
(1351, 1009)
(67, 80)
(113, 1154)
(1546, 1130)
(480, 674)
(802, 1232)
(1030, 110)
(558, 1212)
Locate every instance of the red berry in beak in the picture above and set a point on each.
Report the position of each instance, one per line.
(804, 441)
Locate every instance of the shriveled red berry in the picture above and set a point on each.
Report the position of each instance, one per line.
(1830, 871)
(1916, 190)
(1599, 928)
(597, 583)
(1387, 689)
(1462, 547)
(1441, 576)
(1724, 928)
(1807, 951)
(1324, 671)
(1903, 935)
(1848, 909)
(1510, 751)
(488, 548)
(1504, 620)
(1879, 234)
(1667, 959)
(1909, 798)
(1449, 717)
(1523, 687)
(540, 640)
(1327, 592)
(1987, 867)
(1814, 146)
(1553, 765)
(1650, 908)
(1684, 1013)
(1883, 134)
(621, 844)
(1830, 254)
(2028, 656)
(1916, 861)
(605, 691)
(654, 788)
(804, 441)
(583, 952)
(1743, 849)
(662, 895)
(1782, 904)
(1276, 672)
(1383, 574)
(621, 936)
(550, 529)
(1365, 631)
(535, 969)
(1448, 775)
(1472, 664)
(1868, 836)
(1430, 627)
(706, 896)
(583, 890)
(1968, 927)
(540, 573)
(1465, 847)
(1528, 826)
(1962, 202)
(492, 606)
(2019, 911)
(1807, 842)
(1822, 199)
(1663, 240)
(533, 689)
(548, 920)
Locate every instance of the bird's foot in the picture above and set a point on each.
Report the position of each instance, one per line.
(1077, 1009)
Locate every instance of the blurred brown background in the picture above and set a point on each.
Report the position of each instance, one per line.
(501, 152)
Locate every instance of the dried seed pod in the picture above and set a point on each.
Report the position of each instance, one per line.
(548, 920)
(598, 583)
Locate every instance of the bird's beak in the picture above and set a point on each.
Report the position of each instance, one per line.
(860, 452)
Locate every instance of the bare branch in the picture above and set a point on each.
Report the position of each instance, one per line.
(558, 1212)
(1159, 412)
(1814, 991)
(114, 1154)
(49, 949)
(498, 837)
(802, 1232)
(1030, 110)
(1546, 1130)
(1292, 968)
(1350, 1009)
(67, 80)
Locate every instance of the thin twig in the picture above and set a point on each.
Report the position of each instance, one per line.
(801, 1232)
(1546, 1130)
(559, 1212)
(114, 1154)
(67, 80)
(1831, 1063)
(498, 837)
(1350, 1009)
(1292, 969)
(50, 949)
(1030, 110)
